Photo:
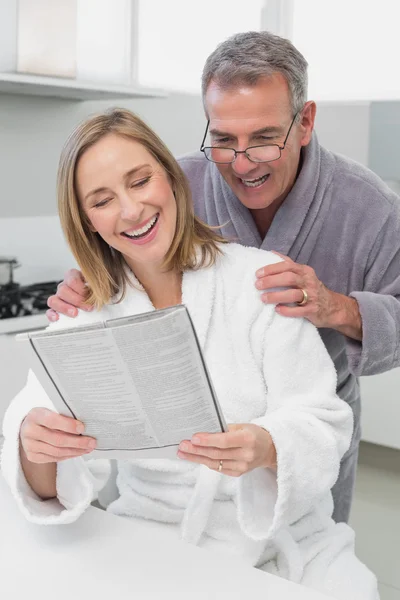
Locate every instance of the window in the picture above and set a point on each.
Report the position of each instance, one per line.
(352, 47)
(176, 37)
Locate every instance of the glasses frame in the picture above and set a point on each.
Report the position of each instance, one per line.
(281, 147)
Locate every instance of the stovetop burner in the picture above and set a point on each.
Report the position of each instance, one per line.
(21, 301)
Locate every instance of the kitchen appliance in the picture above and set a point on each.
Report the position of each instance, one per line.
(20, 301)
(7, 266)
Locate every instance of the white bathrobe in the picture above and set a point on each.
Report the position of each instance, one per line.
(266, 369)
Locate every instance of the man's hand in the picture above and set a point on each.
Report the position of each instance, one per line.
(71, 294)
(240, 450)
(324, 308)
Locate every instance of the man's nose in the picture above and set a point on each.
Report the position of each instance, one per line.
(242, 165)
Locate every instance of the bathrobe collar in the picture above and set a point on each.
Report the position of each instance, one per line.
(195, 284)
(295, 219)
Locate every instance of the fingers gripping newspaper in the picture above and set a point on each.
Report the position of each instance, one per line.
(139, 384)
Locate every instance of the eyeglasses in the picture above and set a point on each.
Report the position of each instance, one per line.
(257, 154)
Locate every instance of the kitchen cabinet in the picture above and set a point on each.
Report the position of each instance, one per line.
(71, 89)
(72, 50)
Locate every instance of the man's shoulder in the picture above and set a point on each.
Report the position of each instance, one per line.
(193, 164)
(350, 176)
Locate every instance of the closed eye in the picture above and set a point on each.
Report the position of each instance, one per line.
(140, 183)
(221, 141)
(102, 202)
(266, 138)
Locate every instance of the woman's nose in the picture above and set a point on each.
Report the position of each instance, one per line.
(131, 209)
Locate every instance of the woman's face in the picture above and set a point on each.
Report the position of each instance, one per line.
(128, 199)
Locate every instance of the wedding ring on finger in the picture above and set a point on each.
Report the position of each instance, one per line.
(220, 466)
(305, 298)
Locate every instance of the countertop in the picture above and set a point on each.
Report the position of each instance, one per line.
(105, 557)
(19, 324)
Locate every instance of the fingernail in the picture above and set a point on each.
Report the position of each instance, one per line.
(195, 440)
(92, 444)
(259, 284)
(260, 273)
(54, 318)
(184, 447)
(264, 297)
(80, 428)
(72, 312)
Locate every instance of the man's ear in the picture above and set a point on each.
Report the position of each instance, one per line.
(307, 121)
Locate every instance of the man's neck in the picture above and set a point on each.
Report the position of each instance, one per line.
(263, 217)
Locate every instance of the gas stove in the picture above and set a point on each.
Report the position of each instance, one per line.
(22, 301)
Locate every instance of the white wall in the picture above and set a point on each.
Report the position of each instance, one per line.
(33, 130)
(343, 127)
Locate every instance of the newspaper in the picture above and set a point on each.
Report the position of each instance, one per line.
(139, 384)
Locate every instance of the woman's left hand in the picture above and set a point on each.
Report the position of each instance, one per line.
(241, 449)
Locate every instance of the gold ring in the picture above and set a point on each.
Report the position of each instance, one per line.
(305, 298)
(220, 466)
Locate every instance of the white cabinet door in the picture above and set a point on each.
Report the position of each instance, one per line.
(380, 401)
(13, 371)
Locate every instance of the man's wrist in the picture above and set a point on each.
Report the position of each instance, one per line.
(346, 317)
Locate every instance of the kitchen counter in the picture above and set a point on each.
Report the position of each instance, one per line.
(104, 556)
(19, 324)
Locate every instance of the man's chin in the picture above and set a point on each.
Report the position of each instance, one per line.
(255, 201)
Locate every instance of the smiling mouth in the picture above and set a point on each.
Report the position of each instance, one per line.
(253, 183)
(143, 231)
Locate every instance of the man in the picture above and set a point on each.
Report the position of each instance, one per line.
(266, 180)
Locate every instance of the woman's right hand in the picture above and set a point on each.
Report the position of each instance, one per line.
(47, 437)
(71, 294)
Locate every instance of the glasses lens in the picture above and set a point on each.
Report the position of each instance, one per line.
(220, 155)
(263, 153)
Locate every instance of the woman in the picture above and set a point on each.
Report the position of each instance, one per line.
(261, 490)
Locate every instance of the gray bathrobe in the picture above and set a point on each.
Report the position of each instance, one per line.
(343, 221)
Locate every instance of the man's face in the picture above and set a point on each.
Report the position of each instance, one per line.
(254, 116)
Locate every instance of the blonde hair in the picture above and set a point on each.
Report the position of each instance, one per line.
(104, 268)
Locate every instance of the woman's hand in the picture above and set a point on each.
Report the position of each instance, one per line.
(243, 448)
(71, 295)
(47, 437)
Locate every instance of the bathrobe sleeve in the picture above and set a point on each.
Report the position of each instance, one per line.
(379, 304)
(310, 426)
(78, 479)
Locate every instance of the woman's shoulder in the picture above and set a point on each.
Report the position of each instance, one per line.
(246, 258)
(236, 277)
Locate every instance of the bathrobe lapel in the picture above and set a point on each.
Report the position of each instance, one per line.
(195, 285)
(198, 294)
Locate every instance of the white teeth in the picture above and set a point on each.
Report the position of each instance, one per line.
(142, 230)
(255, 182)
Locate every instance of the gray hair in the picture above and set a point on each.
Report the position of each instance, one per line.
(246, 57)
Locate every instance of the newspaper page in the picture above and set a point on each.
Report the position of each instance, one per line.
(139, 384)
